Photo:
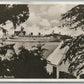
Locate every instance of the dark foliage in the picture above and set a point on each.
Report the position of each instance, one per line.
(6, 63)
(75, 54)
(82, 76)
(27, 64)
(16, 13)
(64, 75)
(74, 18)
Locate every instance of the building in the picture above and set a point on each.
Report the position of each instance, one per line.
(55, 58)
(20, 33)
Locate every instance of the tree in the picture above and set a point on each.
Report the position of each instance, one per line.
(30, 64)
(27, 64)
(7, 57)
(74, 18)
(16, 13)
(75, 55)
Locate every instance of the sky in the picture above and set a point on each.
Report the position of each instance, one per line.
(45, 18)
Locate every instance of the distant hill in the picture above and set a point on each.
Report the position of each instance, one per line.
(59, 36)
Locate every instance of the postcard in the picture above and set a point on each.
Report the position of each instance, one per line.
(41, 41)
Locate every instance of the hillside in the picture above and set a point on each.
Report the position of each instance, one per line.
(59, 36)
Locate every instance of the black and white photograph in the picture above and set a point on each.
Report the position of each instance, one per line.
(41, 40)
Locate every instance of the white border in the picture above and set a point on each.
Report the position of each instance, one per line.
(41, 80)
(41, 2)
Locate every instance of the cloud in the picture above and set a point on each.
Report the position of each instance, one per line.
(43, 18)
(54, 22)
(44, 23)
(43, 8)
(33, 19)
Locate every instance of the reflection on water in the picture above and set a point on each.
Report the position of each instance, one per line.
(51, 46)
(28, 45)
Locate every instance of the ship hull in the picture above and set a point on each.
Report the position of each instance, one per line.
(32, 39)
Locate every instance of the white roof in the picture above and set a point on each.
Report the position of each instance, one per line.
(57, 55)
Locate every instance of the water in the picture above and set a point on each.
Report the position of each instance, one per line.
(50, 46)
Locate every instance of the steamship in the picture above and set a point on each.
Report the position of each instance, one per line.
(20, 36)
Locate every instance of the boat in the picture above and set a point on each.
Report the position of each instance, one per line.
(20, 36)
(32, 39)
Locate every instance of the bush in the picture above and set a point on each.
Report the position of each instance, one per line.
(27, 64)
(75, 54)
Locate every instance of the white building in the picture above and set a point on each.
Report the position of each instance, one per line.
(55, 59)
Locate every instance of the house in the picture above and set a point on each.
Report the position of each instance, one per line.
(20, 33)
(55, 58)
